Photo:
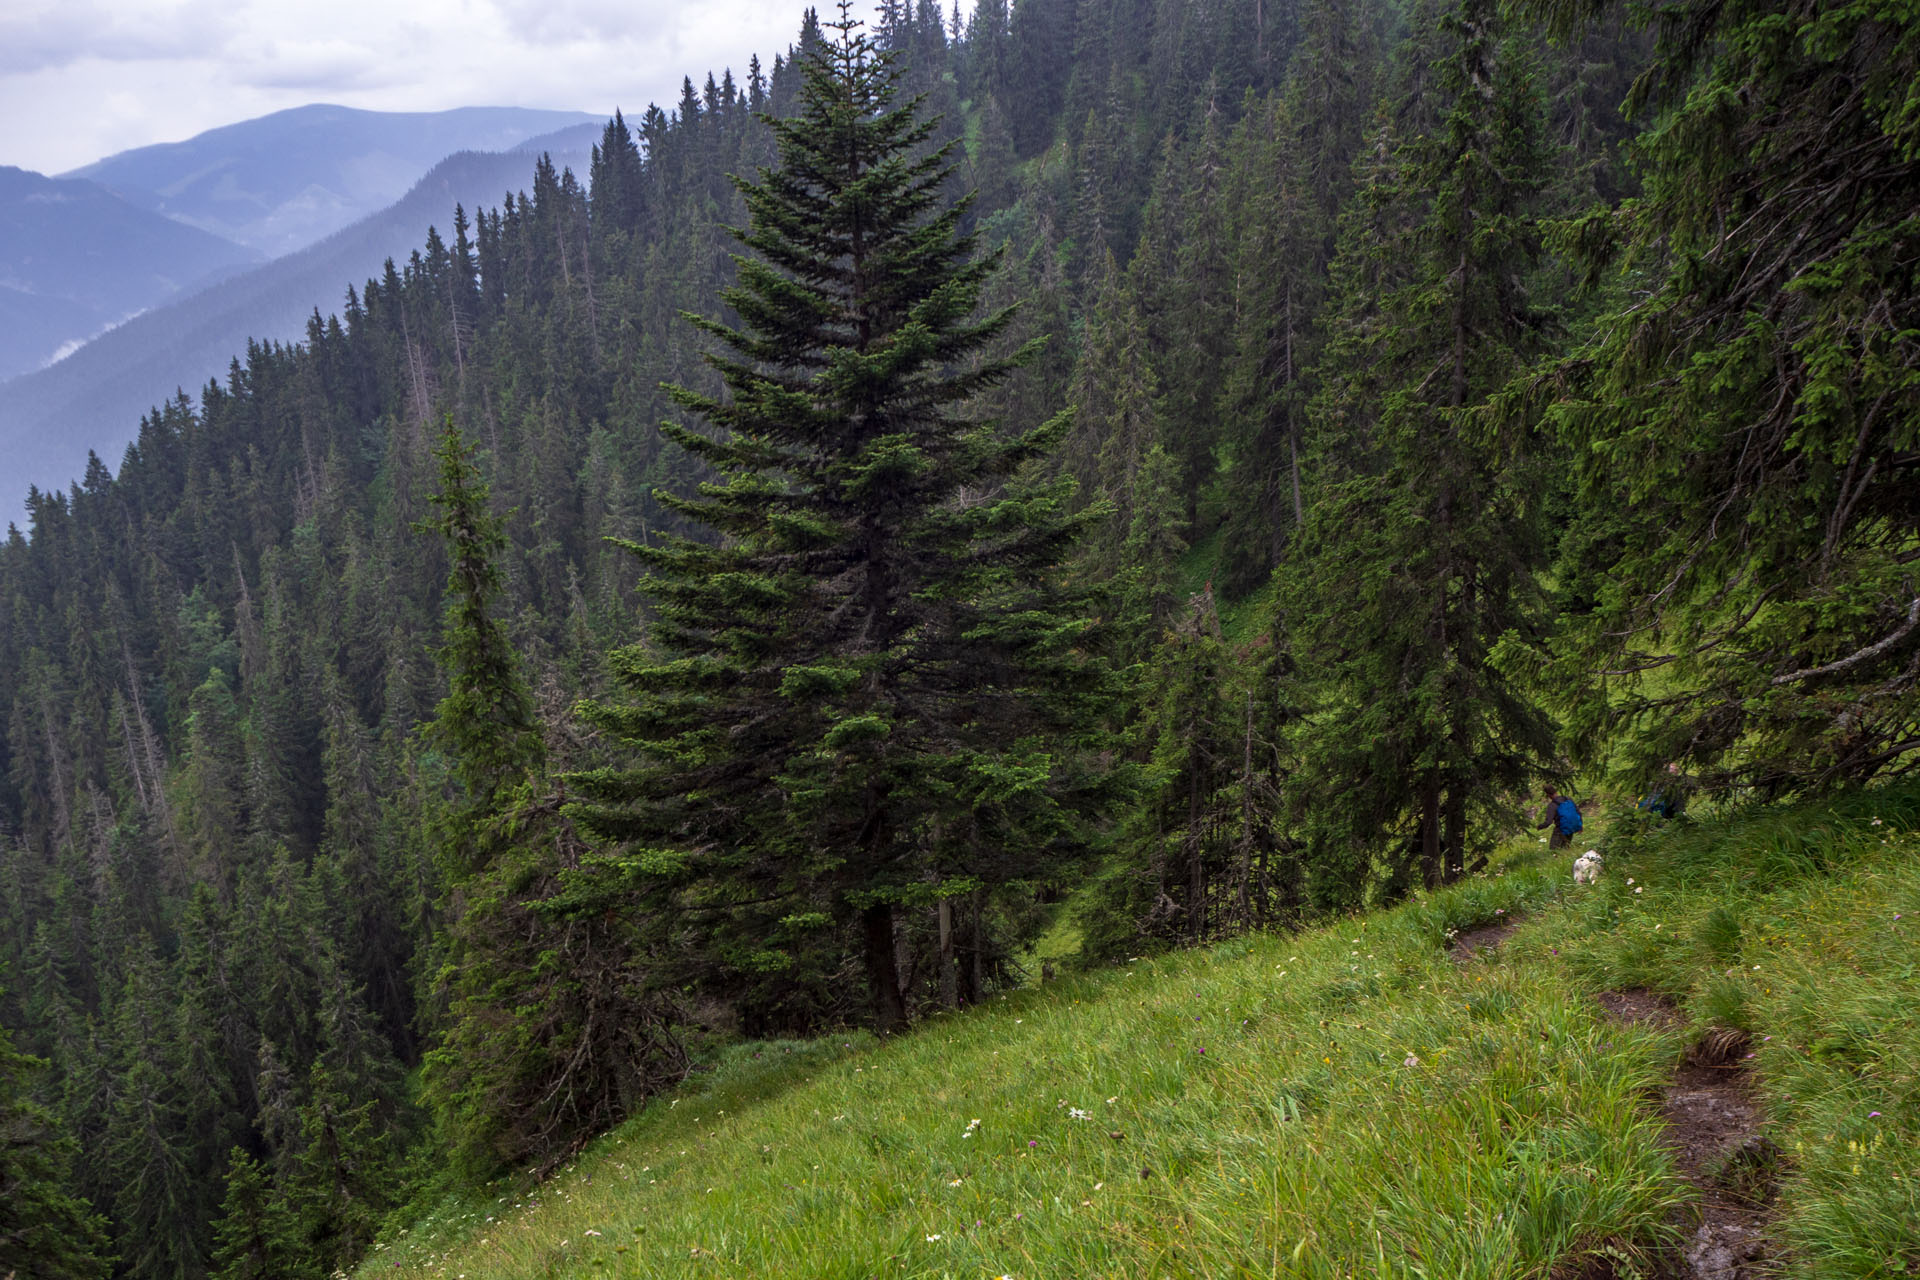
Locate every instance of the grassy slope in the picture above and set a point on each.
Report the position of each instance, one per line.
(1344, 1102)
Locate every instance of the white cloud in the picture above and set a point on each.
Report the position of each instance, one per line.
(36, 34)
(81, 79)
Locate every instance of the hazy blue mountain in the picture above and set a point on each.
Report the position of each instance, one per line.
(284, 181)
(75, 258)
(93, 399)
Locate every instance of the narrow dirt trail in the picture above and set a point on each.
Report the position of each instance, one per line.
(1714, 1127)
(1716, 1132)
(1485, 938)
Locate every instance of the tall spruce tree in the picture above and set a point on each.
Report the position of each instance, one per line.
(855, 703)
(1278, 285)
(1424, 537)
(257, 1236)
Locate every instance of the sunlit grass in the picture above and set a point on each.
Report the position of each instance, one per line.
(1344, 1102)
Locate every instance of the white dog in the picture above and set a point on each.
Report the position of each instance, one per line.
(1586, 867)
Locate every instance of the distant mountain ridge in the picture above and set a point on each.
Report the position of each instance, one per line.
(93, 400)
(284, 181)
(75, 258)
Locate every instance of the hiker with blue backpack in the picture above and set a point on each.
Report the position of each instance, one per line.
(1563, 815)
(1670, 797)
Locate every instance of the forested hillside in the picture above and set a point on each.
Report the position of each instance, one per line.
(94, 398)
(414, 751)
(77, 258)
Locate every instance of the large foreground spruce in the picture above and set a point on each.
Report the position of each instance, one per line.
(851, 712)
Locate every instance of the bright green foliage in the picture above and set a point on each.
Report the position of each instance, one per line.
(256, 1237)
(341, 1182)
(552, 1029)
(1354, 1063)
(853, 704)
(487, 719)
(1741, 589)
(46, 1232)
(1422, 538)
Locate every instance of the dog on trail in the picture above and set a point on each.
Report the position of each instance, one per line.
(1587, 867)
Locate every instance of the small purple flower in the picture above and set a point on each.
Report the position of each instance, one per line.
(1873, 1115)
(1203, 1053)
(1032, 1143)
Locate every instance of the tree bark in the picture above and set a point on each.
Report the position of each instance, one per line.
(1293, 425)
(949, 977)
(1454, 836)
(1430, 853)
(1196, 843)
(977, 963)
(883, 972)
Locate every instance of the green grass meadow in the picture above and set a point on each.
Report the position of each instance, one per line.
(1341, 1103)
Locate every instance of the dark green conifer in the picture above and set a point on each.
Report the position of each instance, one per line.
(46, 1232)
(1423, 539)
(1201, 855)
(848, 703)
(486, 721)
(342, 1181)
(550, 1030)
(1116, 415)
(1156, 539)
(158, 1209)
(1740, 589)
(256, 1237)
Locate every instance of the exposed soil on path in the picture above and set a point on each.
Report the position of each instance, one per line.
(1469, 943)
(1639, 1005)
(1716, 1133)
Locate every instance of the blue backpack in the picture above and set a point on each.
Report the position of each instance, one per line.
(1566, 816)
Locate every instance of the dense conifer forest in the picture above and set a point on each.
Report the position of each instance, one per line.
(1212, 460)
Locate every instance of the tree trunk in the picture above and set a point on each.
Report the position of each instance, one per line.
(1293, 425)
(1244, 872)
(1430, 851)
(1196, 843)
(949, 977)
(883, 972)
(977, 963)
(1454, 839)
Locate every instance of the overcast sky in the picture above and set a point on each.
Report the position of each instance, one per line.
(82, 79)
